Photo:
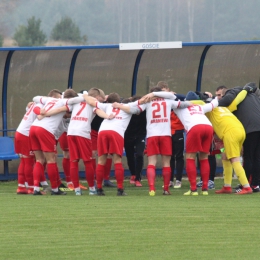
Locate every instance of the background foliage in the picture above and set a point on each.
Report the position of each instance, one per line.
(67, 30)
(30, 35)
(114, 21)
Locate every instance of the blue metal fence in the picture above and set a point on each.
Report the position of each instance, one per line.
(29, 71)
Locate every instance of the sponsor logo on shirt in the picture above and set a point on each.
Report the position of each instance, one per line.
(79, 118)
(158, 99)
(163, 120)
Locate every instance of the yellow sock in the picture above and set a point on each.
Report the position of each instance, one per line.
(227, 172)
(240, 173)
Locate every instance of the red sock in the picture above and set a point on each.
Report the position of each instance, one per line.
(38, 171)
(204, 173)
(119, 174)
(52, 173)
(28, 170)
(66, 169)
(58, 176)
(150, 172)
(100, 175)
(43, 177)
(192, 173)
(166, 173)
(74, 173)
(94, 164)
(90, 173)
(21, 175)
(107, 168)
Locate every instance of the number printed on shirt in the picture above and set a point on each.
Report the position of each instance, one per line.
(83, 105)
(195, 109)
(49, 106)
(116, 111)
(158, 111)
(30, 109)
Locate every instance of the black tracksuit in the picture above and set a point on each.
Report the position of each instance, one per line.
(134, 142)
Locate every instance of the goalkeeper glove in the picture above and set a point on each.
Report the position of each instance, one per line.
(250, 87)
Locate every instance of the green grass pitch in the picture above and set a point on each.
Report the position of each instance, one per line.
(136, 226)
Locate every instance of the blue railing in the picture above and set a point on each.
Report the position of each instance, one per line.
(197, 66)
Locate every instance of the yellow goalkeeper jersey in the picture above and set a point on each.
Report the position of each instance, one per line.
(223, 120)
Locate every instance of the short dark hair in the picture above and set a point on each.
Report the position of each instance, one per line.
(134, 98)
(55, 93)
(113, 97)
(70, 93)
(126, 100)
(162, 84)
(155, 89)
(221, 87)
(94, 92)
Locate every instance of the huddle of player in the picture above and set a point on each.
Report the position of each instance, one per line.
(46, 121)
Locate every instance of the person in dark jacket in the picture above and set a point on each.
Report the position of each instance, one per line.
(134, 143)
(248, 112)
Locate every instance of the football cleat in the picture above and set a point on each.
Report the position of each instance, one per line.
(255, 188)
(171, 184)
(132, 179)
(59, 192)
(78, 193)
(71, 186)
(82, 187)
(92, 192)
(30, 191)
(244, 191)
(21, 190)
(39, 193)
(191, 193)
(120, 192)
(177, 185)
(152, 193)
(62, 185)
(224, 190)
(204, 192)
(138, 184)
(100, 192)
(166, 192)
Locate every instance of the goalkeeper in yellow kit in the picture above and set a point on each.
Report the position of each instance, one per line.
(229, 129)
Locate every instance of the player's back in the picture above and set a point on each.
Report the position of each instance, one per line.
(63, 127)
(223, 120)
(51, 123)
(158, 114)
(117, 124)
(81, 118)
(192, 115)
(28, 119)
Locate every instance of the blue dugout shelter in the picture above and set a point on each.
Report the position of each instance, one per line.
(30, 71)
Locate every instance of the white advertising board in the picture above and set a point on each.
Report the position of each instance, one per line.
(149, 45)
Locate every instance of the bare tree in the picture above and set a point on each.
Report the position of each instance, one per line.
(120, 20)
(145, 6)
(6, 6)
(129, 21)
(177, 25)
(213, 21)
(170, 20)
(191, 18)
